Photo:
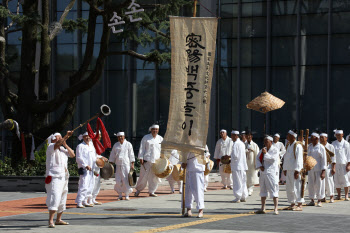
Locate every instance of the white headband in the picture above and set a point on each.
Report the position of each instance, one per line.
(223, 130)
(234, 132)
(277, 135)
(315, 135)
(82, 135)
(324, 135)
(120, 134)
(153, 127)
(339, 132)
(243, 132)
(292, 133)
(269, 138)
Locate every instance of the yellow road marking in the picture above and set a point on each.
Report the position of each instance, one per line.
(16, 211)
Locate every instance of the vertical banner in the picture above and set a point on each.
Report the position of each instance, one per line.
(193, 44)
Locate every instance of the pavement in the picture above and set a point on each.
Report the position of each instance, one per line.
(26, 212)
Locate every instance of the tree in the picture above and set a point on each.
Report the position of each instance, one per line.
(31, 110)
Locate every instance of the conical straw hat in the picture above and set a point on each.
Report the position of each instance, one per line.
(265, 103)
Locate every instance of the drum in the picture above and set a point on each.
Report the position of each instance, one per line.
(208, 167)
(162, 168)
(225, 159)
(107, 171)
(310, 162)
(100, 163)
(227, 168)
(178, 173)
(132, 177)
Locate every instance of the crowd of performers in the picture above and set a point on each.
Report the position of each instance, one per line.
(273, 164)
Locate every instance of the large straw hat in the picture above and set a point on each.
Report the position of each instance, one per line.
(178, 172)
(310, 163)
(265, 103)
(208, 167)
(162, 168)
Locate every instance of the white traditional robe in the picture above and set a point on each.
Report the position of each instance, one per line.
(282, 150)
(174, 159)
(268, 179)
(56, 167)
(291, 164)
(329, 177)
(149, 151)
(342, 152)
(222, 148)
(252, 150)
(194, 188)
(122, 155)
(96, 180)
(207, 156)
(316, 185)
(239, 168)
(85, 156)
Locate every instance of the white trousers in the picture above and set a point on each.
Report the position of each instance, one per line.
(226, 178)
(341, 177)
(239, 187)
(194, 189)
(329, 182)
(316, 186)
(97, 187)
(147, 177)
(121, 180)
(268, 185)
(57, 192)
(86, 182)
(172, 182)
(293, 188)
(206, 181)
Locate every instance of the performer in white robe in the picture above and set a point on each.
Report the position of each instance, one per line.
(238, 168)
(267, 161)
(252, 150)
(122, 155)
(194, 188)
(174, 159)
(282, 150)
(342, 152)
(57, 176)
(97, 178)
(223, 147)
(316, 181)
(206, 178)
(292, 165)
(86, 160)
(330, 170)
(149, 152)
(243, 137)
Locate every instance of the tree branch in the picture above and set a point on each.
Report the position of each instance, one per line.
(54, 32)
(14, 30)
(17, 13)
(130, 53)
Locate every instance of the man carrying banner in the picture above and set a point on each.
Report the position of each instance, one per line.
(252, 150)
(223, 148)
(330, 170)
(57, 175)
(292, 165)
(238, 168)
(342, 153)
(149, 152)
(267, 161)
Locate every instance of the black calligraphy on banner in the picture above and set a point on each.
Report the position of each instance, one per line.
(194, 53)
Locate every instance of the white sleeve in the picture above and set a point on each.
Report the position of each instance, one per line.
(112, 156)
(131, 154)
(217, 150)
(323, 158)
(271, 155)
(80, 156)
(142, 148)
(348, 152)
(207, 151)
(283, 150)
(334, 158)
(299, 158)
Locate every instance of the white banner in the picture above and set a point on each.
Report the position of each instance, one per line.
(193, 43)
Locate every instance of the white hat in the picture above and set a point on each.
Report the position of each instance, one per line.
(120, 134)
(52, 137)
(277, 135)
(292, 133)
(154, 126)
(324, 135)
(82, 135)
(315, 135)
(243, 132)
(269, 138)
(339, 131)
(235, 132)
(223, 130)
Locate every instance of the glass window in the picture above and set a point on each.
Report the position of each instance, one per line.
(254, 9)
(14, 38)
(283, 85)
(312, 6)
(340, 22)
(62, 4)
(253, 52)
(314, 50)
(283, 51)
(253, 27)
(229, 53)
(229, 11)
(313, 97)
(229, 28)
(340, 52)
(164, 98)
(340, 6)
(67, 57)
(314, 24)
(13, 57)
(284, 25)
(228, 114)
(285, 7)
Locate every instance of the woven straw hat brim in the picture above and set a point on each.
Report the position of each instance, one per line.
(265, 103)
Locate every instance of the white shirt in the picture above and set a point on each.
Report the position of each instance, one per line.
(86, 155)
(122, 154)
(150, 148)
(206, 153)
(292, 163)
(330, 147)
(342, 151)
(281, 148)
(270, 161)
(251, 147)
(318, 152)
(193, 165)
(223, 147)
(238, 156)
(56, 161)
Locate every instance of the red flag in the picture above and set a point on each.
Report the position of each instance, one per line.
(95, 137)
